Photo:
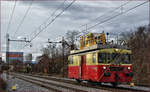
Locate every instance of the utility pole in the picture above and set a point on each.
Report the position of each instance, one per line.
(7, 50)
(63, 42)
(63, 49)
(7, 53)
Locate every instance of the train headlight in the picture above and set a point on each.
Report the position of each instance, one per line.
(129, 68)
(116, 50)
(104, 67)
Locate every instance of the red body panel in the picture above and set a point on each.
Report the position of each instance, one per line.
(73, 72)
(96, 73)
(122, 75)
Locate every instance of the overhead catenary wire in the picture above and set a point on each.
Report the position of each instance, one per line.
(115, 16)
(111, 17)
(21, 22)
(50, 16)
(45, 21)
(53, 13)
(11, 16)
(52, 20)
(111, 11)
(58, 7)
(118, 15)
(42, 29)
(95, 19)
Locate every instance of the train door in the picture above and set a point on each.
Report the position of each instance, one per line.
(83, 67)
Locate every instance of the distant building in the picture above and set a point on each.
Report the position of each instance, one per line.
(14, 56)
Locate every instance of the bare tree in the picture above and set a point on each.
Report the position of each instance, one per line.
(71, 38)
(138, 42)
(52, 58)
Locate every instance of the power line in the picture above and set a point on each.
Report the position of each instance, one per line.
(21, 22)
(111, 17)
(42, 29)
(44, 23)
(50, 16)
(58, 7)
(11, 16)
(54, 12)
(52, 20)
(111, 11)
(115, 16)
(107, 12)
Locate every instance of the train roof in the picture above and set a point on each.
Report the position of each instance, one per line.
(99, 47)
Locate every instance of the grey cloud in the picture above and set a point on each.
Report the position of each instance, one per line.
(76, 11)
(75, 16)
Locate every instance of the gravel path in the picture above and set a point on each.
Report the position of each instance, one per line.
(23, 86)
(78, 87)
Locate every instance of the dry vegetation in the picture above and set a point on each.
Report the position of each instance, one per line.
(138, 42)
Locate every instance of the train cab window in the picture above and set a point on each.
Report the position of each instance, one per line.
(108, 57)
(101, 57)
(125, 58)
(114, 55)
(121, 58)
(94, 58)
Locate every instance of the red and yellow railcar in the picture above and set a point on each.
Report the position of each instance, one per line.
(101, 63)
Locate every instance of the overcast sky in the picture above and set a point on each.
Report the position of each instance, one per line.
(81, 12)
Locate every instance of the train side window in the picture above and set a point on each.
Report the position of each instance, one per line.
(101, 57)
(94, 58)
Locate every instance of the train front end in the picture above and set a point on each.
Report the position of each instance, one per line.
(115, 66)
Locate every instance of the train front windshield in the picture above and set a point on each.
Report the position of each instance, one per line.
(121, 58)
(117, 58)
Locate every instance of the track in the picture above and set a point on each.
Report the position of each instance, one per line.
(82, 86)
(56, 85)
(94, 85)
